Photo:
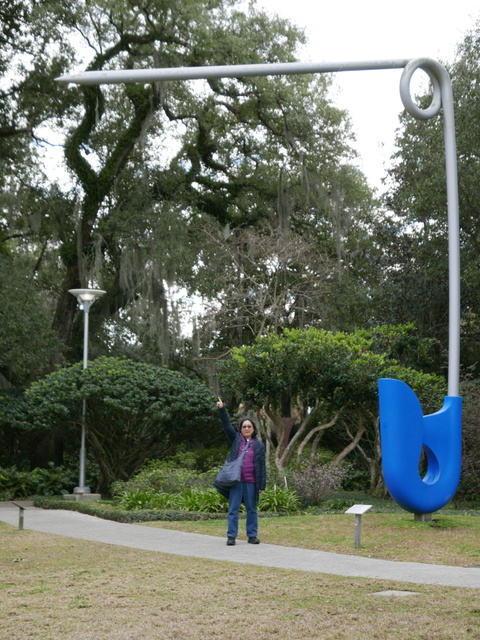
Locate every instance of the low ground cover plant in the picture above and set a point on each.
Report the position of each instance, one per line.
(161, 485)
(195, 499)
(109, 511)
(273, 499)
(279, 500)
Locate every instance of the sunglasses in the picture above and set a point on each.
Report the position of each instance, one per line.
(247, 426)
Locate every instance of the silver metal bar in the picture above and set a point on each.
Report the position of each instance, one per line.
(227, 71)
(358, 530)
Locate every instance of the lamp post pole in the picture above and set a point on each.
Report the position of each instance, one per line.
(85, 297)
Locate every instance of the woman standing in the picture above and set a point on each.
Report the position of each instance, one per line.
(253, 478)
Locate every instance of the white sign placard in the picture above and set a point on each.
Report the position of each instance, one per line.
(359, 509)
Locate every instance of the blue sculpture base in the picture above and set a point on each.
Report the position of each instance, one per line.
(405, 433)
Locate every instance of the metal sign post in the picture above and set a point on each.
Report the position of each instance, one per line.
(21, 512)
(358, 510)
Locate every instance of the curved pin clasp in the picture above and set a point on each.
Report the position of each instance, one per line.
(405, 433)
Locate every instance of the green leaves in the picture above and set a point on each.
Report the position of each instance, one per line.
(152, 163)
(319, 376)
(27, 342)
(15, 483)
(134, 410)
(313, 365)
(279, 500)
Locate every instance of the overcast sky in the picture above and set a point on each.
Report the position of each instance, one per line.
(351, 30)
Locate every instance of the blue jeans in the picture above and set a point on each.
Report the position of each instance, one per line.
(242, 492)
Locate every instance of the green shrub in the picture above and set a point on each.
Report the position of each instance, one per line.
(16, 483)
(279, 500)
(127, 402)
(201, 500)
(338, 504)
(206, 459)
(357, 480)
(163, 477)
(6, 495)
(201, 459)
(469, 487)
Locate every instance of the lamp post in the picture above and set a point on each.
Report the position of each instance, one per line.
(85, 297)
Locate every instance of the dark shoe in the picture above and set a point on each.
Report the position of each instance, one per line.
(253, 540)
(230, 542)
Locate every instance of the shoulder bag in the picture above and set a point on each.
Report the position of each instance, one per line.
(231, 471)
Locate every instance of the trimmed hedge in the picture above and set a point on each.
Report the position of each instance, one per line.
(119, 515)
(332, 506)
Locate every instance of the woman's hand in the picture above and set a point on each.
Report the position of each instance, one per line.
(219, 403)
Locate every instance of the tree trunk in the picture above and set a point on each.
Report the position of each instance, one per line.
(343, 454)
(96, 186)
(283, 455)
(317, 430)
(313, 450)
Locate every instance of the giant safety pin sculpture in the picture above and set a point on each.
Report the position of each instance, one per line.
(405, 431)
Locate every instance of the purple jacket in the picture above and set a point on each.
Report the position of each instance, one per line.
(248, 467)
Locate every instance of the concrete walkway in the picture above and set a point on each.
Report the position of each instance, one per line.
(78, 525)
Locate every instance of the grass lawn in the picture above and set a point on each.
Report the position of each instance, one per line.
(56, 588)
(447, 539)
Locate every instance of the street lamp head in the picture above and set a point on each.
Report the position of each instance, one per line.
(87, 295)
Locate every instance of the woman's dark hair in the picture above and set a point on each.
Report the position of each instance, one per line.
(255, 430)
